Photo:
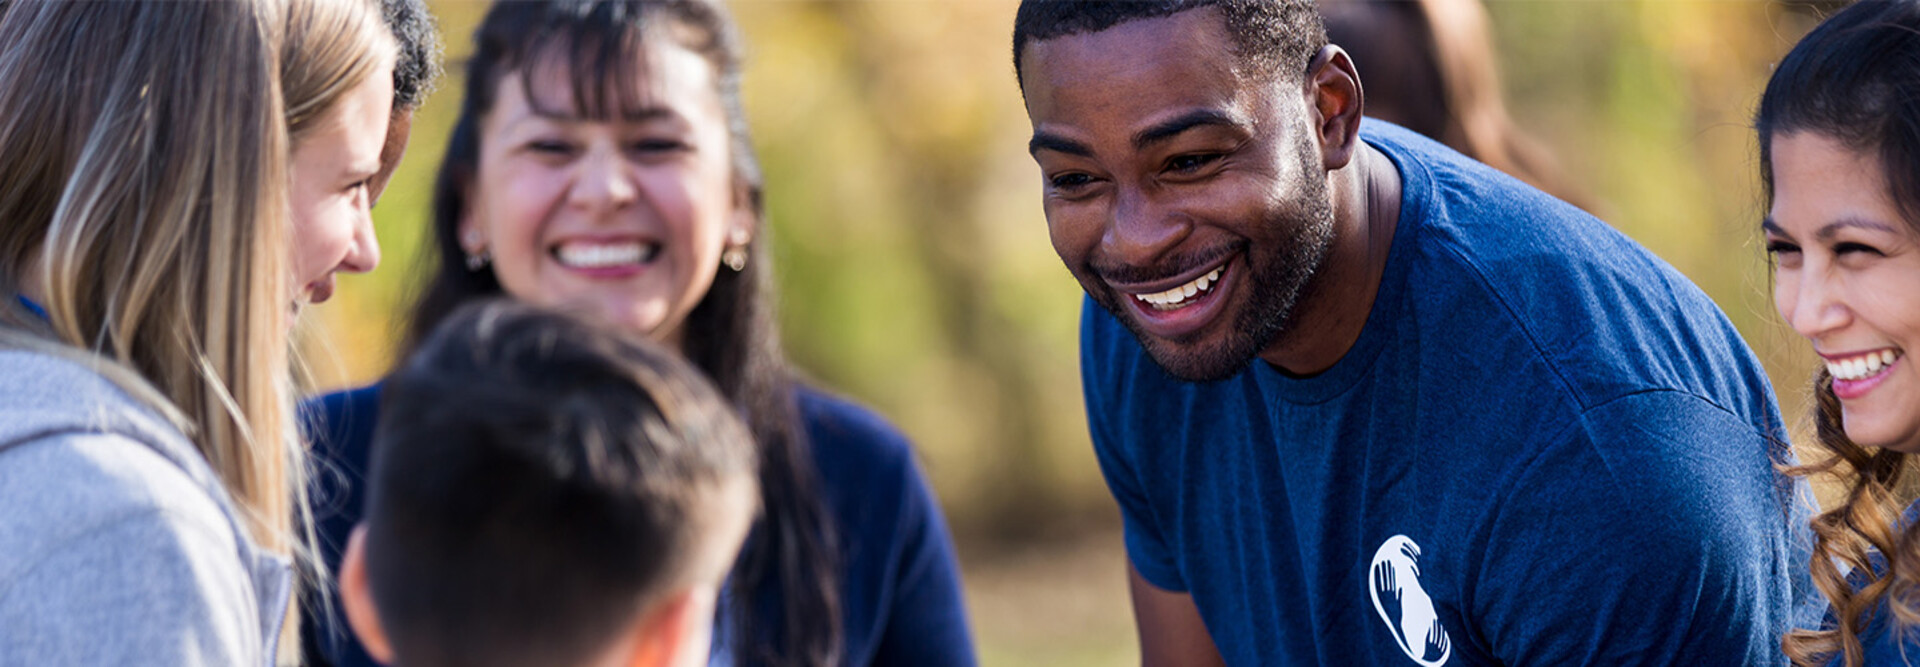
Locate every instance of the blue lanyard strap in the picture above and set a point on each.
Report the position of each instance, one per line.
(37, 310)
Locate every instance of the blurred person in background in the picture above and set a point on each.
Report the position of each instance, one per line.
(601, 161)
(1364, 401)
(1839, 132)
(172, 199)
(1430, 67)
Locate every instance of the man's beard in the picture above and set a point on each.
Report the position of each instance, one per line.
(1277, 279)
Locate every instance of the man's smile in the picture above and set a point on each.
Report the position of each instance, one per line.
(1179, 296)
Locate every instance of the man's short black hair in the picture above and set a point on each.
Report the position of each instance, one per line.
(418, 66)
(1269, 36)
(536, 481)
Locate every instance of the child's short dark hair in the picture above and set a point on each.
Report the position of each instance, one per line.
(536, 481)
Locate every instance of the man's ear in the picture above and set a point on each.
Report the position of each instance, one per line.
(399, 128)
(1333, 90)
(356, 596)
(677, 631)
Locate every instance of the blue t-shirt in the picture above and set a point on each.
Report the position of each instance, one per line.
(1547, 447)
(899, 582)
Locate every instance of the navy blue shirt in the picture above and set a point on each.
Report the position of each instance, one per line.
(1547, 447)
(899, 582)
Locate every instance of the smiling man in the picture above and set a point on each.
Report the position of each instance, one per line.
(1365, 401)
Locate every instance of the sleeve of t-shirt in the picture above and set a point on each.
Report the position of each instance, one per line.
(1652, 532)
(1147, 547)
(928, 624)
(143, 590)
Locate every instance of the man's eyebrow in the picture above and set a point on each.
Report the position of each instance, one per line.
(1043, 141)
(1159, 132)
(1173, 127)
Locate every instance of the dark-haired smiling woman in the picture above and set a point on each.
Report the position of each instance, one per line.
(1839, 129)
(601, 162)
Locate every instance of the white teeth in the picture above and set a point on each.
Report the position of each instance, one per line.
(594, 256)
(1863, 366)
(1176, 297)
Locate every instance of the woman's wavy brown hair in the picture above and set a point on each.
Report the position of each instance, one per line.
(1861, 528)
(1856, 79)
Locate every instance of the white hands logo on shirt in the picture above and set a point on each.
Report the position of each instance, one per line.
(1394, 583)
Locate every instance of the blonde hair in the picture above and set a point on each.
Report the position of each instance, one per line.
(331, 47)
(144, 195)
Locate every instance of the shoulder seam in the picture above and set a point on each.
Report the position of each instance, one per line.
(1504, 495)
(1520, 324)
(1665, 390)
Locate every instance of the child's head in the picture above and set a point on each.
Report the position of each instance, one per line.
(546, 492)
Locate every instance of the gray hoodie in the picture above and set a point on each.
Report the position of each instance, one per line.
(118, 545)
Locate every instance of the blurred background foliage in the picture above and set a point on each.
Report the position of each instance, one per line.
(916, 274)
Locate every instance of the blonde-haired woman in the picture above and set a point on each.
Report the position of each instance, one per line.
(149, 201)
